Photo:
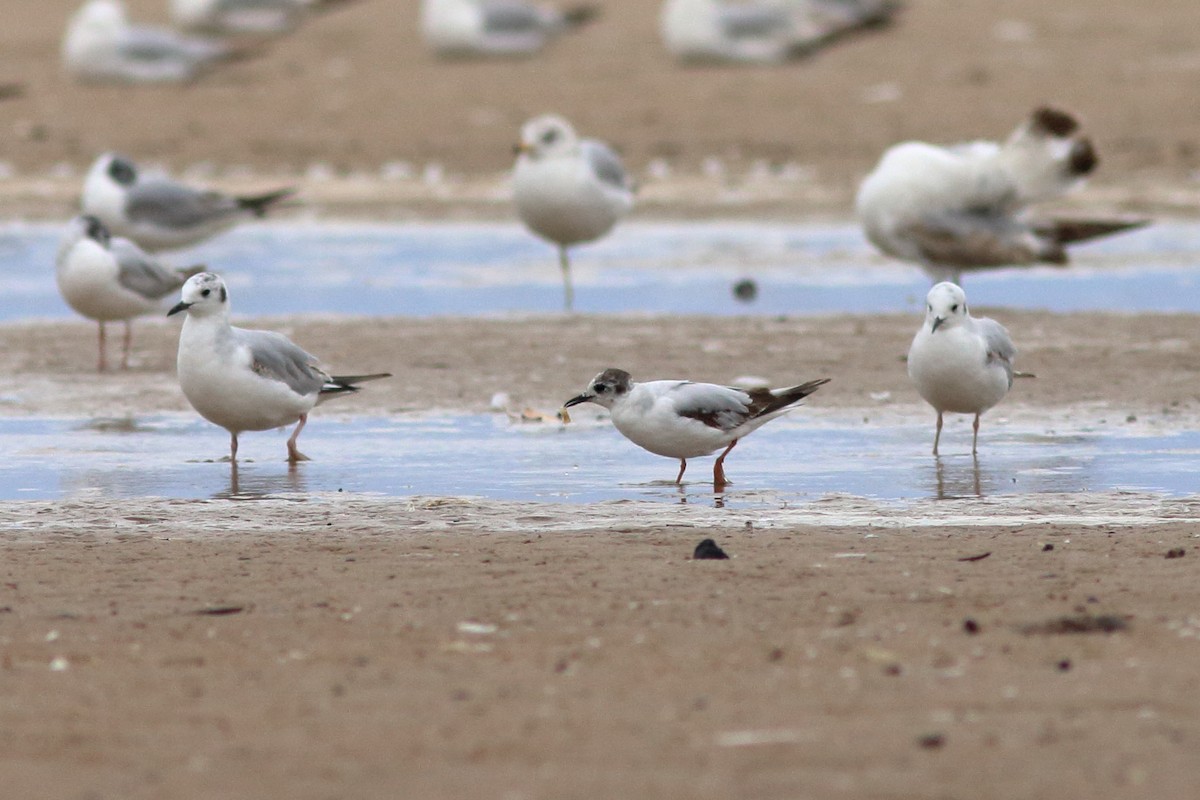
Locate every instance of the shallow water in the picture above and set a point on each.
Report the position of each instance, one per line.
(791, 463)
(472, 269)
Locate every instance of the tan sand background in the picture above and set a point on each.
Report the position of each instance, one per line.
(356, 647)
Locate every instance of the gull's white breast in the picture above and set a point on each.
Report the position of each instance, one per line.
(216, 376)
(951, 371)
(649, 418)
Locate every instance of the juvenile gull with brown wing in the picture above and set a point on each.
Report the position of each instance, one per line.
(681, 419)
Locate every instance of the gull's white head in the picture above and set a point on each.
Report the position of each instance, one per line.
(101, 16)
(92, 33)
(605, 389)
(547, 135)
(945, 306)
(203, 295)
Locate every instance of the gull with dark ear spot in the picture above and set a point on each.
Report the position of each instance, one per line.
(959, 363)
(466, 28)
(159, 213)
(107, 279)
(969, 207)
(568, 190)
(247, 380)
(682, 419)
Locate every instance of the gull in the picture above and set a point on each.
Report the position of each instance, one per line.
(496, 27)
(247, 380)
(965, 207)
(961, 364)
(159, 213)
(681, 419)
(568, 190)
(243, 16)
(107, 278)
(763, 31)
(100, 44)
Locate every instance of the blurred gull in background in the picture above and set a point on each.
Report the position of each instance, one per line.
(964, 207)
(101, 45)
(568, 190)
(496, 27)
(107, 278)
(159, 213)
(244, 16)
(764, 31)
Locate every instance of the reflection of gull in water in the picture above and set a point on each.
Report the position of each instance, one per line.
(763, 31)
(953, 209)
(568, 190)
(244, 16)
(496, 27)
(107, 279)
(682, 419)
(959, 363)
(101, 45)
(247, 380)
(159, 213)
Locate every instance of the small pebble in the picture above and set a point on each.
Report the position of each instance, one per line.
(1176, 552)
(971, 626)
(709, 549)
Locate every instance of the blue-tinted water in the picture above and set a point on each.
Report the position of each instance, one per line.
(791, 462)
(471, 269)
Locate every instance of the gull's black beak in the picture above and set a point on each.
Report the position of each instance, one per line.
(936, 322)
(576, 400)
(180, 306)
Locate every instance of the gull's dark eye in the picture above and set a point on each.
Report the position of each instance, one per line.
(600, 388)
(550, 137)
(206, 293)
(954, 307)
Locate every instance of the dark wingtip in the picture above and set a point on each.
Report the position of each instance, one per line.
(1052, 122)
(1083, 158)
(574, 17)
(259, 203)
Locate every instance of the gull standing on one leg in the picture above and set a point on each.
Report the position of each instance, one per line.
(107, 278)
(959, 363)
(568, 190)
(967, 207)
(247, 380)
(681, 419)
(159, 213)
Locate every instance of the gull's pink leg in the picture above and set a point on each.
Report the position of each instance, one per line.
(975, 438)
(233, 447)
(126, 344)
(101, 365)
(295, 455)
(937, 436)
(682, 468)
(719, 482)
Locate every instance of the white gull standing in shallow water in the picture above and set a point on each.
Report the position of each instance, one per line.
(159, 213)
(568, 190)
(109, 279)
(682, 419)
(496, 27)
(959, 363)
(965, 207)
(763, 31)
(100, 45)
(247, 380)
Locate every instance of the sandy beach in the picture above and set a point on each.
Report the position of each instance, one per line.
(345, 646)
